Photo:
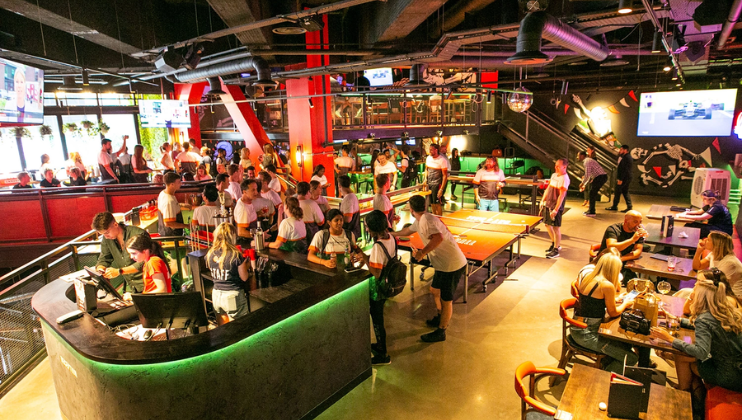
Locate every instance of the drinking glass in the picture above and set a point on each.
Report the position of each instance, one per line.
(663, 287)
(671, 262)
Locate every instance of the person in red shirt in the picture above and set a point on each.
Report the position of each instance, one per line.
(155, 273)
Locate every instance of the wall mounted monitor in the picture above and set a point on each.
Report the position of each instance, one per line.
(690, 113)
(379, 77)
(164, 114)
(21, 94)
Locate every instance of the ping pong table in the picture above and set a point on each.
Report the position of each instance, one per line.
(482, 236)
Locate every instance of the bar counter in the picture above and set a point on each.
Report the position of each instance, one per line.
(287, 360)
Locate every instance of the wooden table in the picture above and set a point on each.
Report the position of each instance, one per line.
(587, 387)
(673, 305)
(659, 210)
(509, 181)
(653, 267)
(694, 235)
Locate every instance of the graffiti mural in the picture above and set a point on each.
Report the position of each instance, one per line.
(665, 164)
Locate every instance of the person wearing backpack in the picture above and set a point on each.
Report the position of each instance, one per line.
(333, 241)
(383, 250)
(445, 257)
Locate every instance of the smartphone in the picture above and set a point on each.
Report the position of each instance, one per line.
(631, 295)
(351, 268)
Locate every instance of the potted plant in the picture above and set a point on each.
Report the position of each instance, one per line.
(21, 132)
(45, 130)
(71, 127)
(89, 127)
(103, 128)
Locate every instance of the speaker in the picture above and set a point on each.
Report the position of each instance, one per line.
(696, 50)
(712, 12)
(168, 61)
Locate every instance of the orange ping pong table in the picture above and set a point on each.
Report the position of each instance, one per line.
(482, 236)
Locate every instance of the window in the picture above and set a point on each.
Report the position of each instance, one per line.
(36, 145)
(83, 141)
(9, 158)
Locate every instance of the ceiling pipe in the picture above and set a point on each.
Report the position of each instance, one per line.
(456, 14)
(538, 25)
(658, 27)
(728, 27)
(230, 67)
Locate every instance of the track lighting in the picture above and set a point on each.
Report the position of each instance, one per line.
(624, 6)
(311, 104)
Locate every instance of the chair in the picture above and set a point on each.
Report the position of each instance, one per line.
(632, 284)
(540, 409)
(574, 289)
(723, 404)
(593, 252)
(570, 348)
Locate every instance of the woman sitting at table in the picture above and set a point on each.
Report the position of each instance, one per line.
(719, 252)
(201, 174)
(597, 294)
(716, 355)
(292, 231)
(155, 272)
(714, 211)
(332, 241)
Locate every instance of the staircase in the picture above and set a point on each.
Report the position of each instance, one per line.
(544, 140)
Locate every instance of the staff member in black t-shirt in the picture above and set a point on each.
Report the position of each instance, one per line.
(229, 271)
(714, 211)
(49, 180)
(627, 238)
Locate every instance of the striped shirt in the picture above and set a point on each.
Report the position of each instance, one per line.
(592, 170)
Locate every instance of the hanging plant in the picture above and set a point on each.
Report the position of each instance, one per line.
(103, 127)
(90, 128)
(71, 127)
(45, 130)
(21, 132)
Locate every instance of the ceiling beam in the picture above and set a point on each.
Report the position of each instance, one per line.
(64, 23)
(397, 18)
(240, 12)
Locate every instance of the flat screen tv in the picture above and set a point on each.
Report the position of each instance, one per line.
(21, 94)
(691, 113)
(164, 114)
(379, 77)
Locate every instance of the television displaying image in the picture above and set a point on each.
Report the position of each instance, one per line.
(21, 93)
(692, 113)
(379, 77)
(164, 114)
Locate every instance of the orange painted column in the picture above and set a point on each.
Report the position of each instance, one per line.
(310, 127)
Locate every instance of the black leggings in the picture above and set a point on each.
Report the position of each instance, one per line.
(377, 318)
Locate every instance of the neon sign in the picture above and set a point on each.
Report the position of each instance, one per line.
(738, 126)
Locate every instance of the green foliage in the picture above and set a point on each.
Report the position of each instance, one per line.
(45, 130)
(21, 132)
(152, 138)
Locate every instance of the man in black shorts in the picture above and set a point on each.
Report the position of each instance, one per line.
(437, 167)
(552, 206)
(445, 257)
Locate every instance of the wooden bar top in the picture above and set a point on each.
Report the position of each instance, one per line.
(587, 387)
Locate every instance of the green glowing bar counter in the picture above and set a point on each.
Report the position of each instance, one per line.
(288, 360)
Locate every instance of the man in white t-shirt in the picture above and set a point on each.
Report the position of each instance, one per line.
(446, 258)
(315, 192)
(487, 184)
(275, 183)
(350, 207)
(170, 216)
(344, 164)
(313, 216)
(235, 178)
(385, 166)
(189, 160)
(204, 215)
(437, 177)
(382, 202)
(245, 216)
(552, 206)
(222, 185)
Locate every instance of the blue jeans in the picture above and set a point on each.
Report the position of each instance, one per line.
(616, 350)
(489, 205)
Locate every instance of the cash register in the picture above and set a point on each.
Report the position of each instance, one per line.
(95, 295)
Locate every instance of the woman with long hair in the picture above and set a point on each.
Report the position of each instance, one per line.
(139, 166)
(75, 161)
(718, 251)
(229, 270)
(319, 176)
(716, 355)
(332, 241)
(167, 158)
(155, 272)
(292, 231)
(270, 157)
(245, 161)
(201, 174)
(597, 295)
(76, 178)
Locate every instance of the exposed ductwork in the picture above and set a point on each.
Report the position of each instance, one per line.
(732, 19)
(539, 25)
(416, 75)
(231, 67)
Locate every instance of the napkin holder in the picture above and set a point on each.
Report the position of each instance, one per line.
(667, 226)
(649, 304)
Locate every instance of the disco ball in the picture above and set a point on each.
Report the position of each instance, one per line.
(518, 101)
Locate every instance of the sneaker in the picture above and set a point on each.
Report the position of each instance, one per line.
(626, 210)
(554, 253)
(381, 360)
(375, 349)
(551, 248)
(454, 198)
(434, 322)
(435, 336)
(611, 208)
(588, 214)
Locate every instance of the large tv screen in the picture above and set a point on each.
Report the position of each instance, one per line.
(379, 77)
(692, 113)
(21, 94)
(164, 114)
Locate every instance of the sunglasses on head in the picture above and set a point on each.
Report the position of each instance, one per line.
(716, 276)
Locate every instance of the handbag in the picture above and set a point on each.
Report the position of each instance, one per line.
(634, 321)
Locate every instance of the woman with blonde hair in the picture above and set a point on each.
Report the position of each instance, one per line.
(167, 158)
(716, 355)
(75, 161)
(229, 270)
(270, 157)
(719, 252)
(597, 295)
(245, 161)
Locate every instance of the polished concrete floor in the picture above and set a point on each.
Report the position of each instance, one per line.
(469, 376)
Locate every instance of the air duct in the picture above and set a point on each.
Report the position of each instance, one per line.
(416, 76)
(215, 87)
(231, 67)
(728, 27)
(539, 25)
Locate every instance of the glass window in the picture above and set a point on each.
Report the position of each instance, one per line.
(121, 125)
(84, 141)
(116, 99)
(10, 161)
(76, 99)
(36, 145)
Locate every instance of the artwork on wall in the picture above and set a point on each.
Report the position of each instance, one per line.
(665, 164)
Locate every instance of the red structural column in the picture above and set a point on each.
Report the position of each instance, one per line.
(310, 126)
(191, 92)
(244, 118)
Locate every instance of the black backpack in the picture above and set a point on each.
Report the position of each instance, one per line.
(393, 276)
(326, 239)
